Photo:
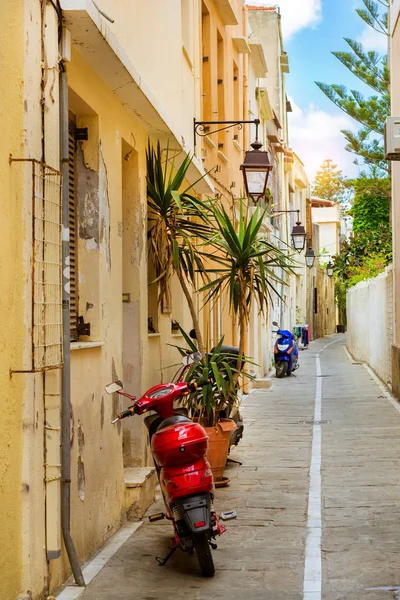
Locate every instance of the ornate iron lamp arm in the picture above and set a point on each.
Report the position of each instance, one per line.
(201, 128)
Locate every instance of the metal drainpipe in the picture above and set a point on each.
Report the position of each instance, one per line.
(66, 373)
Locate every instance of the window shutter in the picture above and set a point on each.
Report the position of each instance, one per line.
(73, 241)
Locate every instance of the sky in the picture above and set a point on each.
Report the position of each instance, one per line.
(312, 29)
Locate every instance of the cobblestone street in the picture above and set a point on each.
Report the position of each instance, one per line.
(302, 468)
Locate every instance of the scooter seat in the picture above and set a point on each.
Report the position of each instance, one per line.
(173, 421)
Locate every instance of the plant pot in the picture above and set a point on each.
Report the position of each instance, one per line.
(218, 445)
(341, 328)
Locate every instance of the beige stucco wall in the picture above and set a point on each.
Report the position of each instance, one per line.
(369, 313)
(12, 331)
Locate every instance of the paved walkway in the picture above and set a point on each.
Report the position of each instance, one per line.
(294, 536)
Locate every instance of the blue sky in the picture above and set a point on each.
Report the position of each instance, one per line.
(312, 30)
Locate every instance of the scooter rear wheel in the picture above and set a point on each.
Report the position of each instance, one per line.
(204, 555)
(281, 369)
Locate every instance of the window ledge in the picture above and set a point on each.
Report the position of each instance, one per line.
(153, 335)
(187, 57)
(237, 146)
(85, 345)
(209, 141)
(176, 335)
(222, 156)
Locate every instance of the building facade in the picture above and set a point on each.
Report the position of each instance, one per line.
(83, 91)
(394, 60)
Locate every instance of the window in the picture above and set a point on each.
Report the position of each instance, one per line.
(206, 64)
(221, 87)
(73, 243)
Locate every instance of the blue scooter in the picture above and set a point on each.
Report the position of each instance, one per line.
(286, 353)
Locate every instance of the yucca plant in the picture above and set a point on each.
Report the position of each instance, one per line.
(177, 219)
(210, 401)
(245, 265)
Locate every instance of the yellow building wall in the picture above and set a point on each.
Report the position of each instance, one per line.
(113, 265)
(12, 298)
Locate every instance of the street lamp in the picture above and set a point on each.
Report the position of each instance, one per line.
(256, 166)
(298, 237)
(256, 169)
(310, 257)
(298, 234)
(329, 269)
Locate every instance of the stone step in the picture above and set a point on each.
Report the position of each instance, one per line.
(140, 484)
(262, 383)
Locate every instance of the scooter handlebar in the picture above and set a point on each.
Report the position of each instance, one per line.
(192, 387)
(126, 413)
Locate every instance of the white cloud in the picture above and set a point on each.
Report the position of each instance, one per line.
(296, 14)
(316, 135)
(372, 40)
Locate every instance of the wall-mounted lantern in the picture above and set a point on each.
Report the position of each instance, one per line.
(256, 168)
(310, 257)
(329, 269)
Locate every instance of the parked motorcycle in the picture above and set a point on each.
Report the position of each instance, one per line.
(286, 353)
(179, 448)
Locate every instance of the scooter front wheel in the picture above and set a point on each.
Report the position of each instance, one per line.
(204, 556)
(281, 369)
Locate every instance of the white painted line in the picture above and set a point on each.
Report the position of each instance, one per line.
(93, 568)
(312, 585)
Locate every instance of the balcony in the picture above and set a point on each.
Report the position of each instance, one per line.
(226, 12)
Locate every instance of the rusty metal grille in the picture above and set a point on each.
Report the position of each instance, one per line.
(46, 264)
(73, 246)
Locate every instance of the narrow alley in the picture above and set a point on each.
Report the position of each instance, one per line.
(276, 548)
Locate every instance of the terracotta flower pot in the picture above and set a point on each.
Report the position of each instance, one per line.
(218, 446)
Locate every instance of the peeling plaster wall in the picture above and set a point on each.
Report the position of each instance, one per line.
(12, 303)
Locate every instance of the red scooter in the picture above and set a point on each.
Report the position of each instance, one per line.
(179, 448)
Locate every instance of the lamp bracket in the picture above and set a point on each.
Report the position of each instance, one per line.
(201, 128)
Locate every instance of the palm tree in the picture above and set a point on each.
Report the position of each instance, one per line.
(177, 219)
(245, 266)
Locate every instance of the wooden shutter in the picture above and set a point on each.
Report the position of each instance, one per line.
(73, 238)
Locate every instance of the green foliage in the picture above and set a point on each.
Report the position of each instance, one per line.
(246, 262)
(340, 299)
(369, 212)
(208, 402)
(329, 183)
(371, 185)
(355, 252)
(371, 267)
(176, 218)
(372, 69)
(371, 203)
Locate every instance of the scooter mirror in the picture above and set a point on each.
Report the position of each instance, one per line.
(275, 323)
(192, 334)
(115, 386)
(189, 359)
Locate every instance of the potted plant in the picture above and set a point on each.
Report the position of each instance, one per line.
(212, 404)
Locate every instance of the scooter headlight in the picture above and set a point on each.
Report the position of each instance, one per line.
(283, 347)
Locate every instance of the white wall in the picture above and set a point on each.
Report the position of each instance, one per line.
(369, 317)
